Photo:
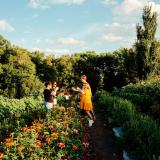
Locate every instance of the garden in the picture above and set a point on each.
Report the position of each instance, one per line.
(124, 86)
(59, 135)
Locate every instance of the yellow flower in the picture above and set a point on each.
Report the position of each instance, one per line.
(64, 133)
(46, 133)
(54, 136)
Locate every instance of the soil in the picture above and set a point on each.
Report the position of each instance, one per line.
(103, 140)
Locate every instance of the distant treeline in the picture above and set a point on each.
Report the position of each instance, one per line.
(23, 73)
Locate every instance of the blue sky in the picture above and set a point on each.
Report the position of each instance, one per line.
(69, 26)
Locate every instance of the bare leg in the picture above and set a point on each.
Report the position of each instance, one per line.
(89, 115)
(93, 115)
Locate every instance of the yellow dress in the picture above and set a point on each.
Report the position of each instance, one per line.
(85, 99)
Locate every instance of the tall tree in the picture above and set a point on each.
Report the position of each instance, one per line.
(18, 74)
(145, 45)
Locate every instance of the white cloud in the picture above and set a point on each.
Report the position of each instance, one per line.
(69, 41)
(4, 26)
(52, 50)
(49, 3)
(110, 37)
(131, 10)
(155, 7)
(117, 33)
(109, 2)
(116, 28)
(129, 7)
(58, 46)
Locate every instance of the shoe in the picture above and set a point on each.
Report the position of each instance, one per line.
(90, 123)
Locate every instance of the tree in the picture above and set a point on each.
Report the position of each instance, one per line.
(18, 74)
(145, 46)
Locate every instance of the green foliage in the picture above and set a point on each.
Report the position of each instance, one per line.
(145, 95)
(141, 134)
(146, 45)
(145, 88)
(18, 74)
(15, 113)
(142, 101)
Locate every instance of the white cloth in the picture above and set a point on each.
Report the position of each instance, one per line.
(48, 105)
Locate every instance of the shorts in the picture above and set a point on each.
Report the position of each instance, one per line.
(48, 105)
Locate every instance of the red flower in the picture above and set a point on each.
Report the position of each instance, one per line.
(74, 147)
(7, 140)
(61, 145)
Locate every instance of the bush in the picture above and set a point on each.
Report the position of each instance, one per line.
(142, 101)
(141, 135)
(19, 112)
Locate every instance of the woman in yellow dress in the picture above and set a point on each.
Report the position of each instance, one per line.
(85, 98)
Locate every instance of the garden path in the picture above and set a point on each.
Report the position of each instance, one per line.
(103, 140)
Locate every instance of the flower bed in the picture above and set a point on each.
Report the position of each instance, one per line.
(18, 112)
(57, 137)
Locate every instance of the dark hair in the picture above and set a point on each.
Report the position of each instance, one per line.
(47, 83)
(84, 77)
(53, 83)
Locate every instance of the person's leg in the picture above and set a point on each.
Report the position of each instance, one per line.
(93, 115)
(89, 115)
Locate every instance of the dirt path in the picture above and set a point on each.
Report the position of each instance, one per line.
(103, 141)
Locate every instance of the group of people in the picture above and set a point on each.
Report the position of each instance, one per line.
(86, 106)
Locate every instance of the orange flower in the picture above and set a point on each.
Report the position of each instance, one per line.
(61, 145)
(9, 144)
(24, 129)
(74, 147)
(48, 140)
(21, 136)
(20, 148)
(39, 129)
(1, 155)
(38, 143)
(33, 132)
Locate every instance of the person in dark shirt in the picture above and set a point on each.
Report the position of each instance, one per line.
(55, 89)
(48, 96)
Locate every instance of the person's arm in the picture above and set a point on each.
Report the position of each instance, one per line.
(78, 90)
(81, 90)
(53, 93)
